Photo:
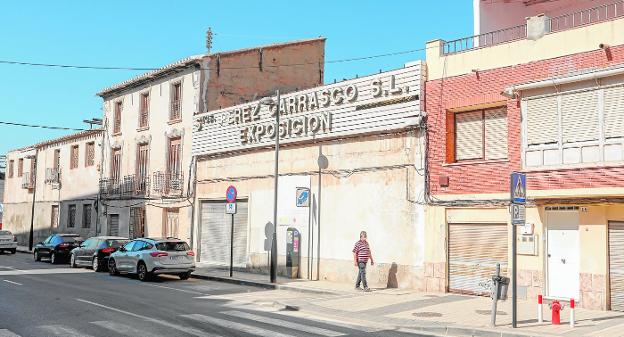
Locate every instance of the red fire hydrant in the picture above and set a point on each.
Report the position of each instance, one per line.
(556, 308)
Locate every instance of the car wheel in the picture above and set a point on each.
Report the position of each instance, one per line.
(13, 251)
(95, 265)
(142, 272)
(185, 276)
(53, 258)
(72, 261)
(112, 267)
(36, 256)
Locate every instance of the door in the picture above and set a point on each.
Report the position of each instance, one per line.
(80, 254)
(171, 222)
(122, 260)
(474, 250)
(44, 250)
(215, 233)
(563, 253)
(616, 265)
(113, 225)
(135, 254)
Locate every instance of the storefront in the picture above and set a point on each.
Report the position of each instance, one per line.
(356, 146)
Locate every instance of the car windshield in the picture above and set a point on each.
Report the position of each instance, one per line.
(173, 246)
(116, 243)
(5, 233)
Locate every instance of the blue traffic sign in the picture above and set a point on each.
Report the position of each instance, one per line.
(230, 194)
(303, 197)
(518, 188)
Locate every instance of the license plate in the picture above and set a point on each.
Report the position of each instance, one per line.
(175, 258)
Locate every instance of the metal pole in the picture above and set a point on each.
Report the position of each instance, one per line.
(274, 243)
(495, 295)
(514, 287)
(232, 247)
(32, 211)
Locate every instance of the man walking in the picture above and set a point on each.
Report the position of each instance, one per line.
(361, 254)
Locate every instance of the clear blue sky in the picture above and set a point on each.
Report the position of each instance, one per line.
(155, 33)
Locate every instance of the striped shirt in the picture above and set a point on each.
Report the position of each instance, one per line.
(362, 250)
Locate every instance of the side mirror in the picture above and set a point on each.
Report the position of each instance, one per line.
(121, 249)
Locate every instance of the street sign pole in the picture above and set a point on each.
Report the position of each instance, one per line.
(517, 190)
(514, 289)
(230, 208)
(232, 246)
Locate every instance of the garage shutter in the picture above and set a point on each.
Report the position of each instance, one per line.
(614, 112)
(616, 265)
(215, 234)
(113, 225)
(469, 135)
(474, 250)
(542, 120)
(579, 116)
(496, 134)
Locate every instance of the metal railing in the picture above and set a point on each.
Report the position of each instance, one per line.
(28, 180)
(53, 175)
(110, 187)
(128, 186)
(168, 184)
(587, 16)
(484, 40)
(175, 113)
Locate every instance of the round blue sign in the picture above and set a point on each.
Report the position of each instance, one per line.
(230, 194)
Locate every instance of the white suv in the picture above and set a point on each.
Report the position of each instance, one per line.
(147, 257)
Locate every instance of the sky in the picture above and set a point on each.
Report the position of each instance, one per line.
(155, 33)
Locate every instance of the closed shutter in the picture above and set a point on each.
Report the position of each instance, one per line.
(474, 250)
(579, 116)
(542, 120)
(215, 234)
(469, 135)
(496, 134)
(616, 265)
(113, 225)
(614, 112)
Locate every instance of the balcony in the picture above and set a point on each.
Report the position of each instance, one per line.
(28, 180)
(110, 187)
(168, 184)
(53, 176)
(128, 186)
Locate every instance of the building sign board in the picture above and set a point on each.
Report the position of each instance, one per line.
(381, 102)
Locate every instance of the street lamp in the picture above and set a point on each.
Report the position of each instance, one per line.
(269, 101)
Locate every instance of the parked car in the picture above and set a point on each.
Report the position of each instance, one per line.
(56, 247)
(95, 251)
(147, 257)
(8, 242)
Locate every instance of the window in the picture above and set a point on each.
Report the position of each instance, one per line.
(54, 221)
(71, 216)
(86, 216)
(116, 165)
(477, 135)
(137, 222)
(20, 167)
(144, 111)
(129, 245)
(11, 162)
(57, 159)
(90, 154)
(142, 166)
(138, 245)
(117, 117)
(73, 161)
(174, 160)
(176, 100)
(171, 222)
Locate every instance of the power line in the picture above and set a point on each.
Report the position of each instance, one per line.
(41, 126)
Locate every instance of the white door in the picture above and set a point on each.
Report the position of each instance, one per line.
(563, 254)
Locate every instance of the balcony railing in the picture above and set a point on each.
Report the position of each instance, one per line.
(28, 180)
(128, 186)
(168, 184)
(484, 40)
(110, 187)
(587, 16)
(175, 110)
(53, 176)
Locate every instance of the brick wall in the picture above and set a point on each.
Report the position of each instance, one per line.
(485, 87)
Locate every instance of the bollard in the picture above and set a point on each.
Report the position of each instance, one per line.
(540, 312)
(571, 312)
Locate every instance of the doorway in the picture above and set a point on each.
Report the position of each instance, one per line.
(562, 256)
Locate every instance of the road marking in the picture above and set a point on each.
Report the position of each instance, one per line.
(283, 323)
(59, 330)
(7, 333)
(249, 329)
(122, 329)
(340, 323)
(44, 271)
(7, 281)
(184, 329)
(176, 289)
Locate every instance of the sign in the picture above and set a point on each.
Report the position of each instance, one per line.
(230, 194)
(518, 188)
(303, 197)
(230, 208)
(341, 109)
(518, 214)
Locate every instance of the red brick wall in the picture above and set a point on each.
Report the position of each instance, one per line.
(485, 87)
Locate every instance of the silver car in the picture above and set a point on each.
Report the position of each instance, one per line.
(147, 257)
(8, 242)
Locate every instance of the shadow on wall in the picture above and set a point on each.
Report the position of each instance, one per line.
(393, 282)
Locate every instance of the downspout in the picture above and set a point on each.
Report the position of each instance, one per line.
(32, 211)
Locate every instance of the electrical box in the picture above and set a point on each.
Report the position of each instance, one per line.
(527, 245)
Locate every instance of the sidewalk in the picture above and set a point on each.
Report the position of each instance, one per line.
(446, 314)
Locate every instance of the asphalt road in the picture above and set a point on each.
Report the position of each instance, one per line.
(39, 299)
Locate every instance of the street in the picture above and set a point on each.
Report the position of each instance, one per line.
(39, 299)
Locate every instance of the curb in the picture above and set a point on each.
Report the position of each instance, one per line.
(23, 250)
(473, 332)
(263, 285)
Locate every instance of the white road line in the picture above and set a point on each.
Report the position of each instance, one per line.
(352, 326)
(44, 271)
(176, 289)
(59, 330)
(235, 326)
(184, 329)
(7, 333)
(123, 329)
(283, 323)
(7, 281)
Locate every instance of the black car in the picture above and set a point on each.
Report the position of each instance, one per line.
(95, 251)
(56, 247)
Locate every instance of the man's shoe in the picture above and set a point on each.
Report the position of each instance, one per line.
(367, 289)
(358, 288)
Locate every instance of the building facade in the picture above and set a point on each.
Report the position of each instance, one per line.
(549, 104)
(59, 176)
(147, 166)
(355, 146)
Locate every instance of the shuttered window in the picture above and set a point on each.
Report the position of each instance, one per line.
(616, 265)
(480, 134)
(496, 134)
(614, 112)
(90, 154)
(542, 121)
(579, 116)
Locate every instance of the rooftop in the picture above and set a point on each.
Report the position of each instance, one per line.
(73, 136)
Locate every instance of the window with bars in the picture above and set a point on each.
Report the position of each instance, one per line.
(11, 162)
(477, 135)
(71, 216)
(176, 102)
(73, 163)
(117, 117)
(90, 154)
(86, 215)
(144, 110)
(20, 167)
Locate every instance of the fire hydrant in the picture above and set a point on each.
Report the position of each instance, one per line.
(556, 308)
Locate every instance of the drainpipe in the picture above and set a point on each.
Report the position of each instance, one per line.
(32, 211)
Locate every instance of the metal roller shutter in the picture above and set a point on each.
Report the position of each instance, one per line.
(496, 134)
(542, 120)
(616, 265)
(215, 234)
(614, 112)
(474, 250)
(113, 225)
(469, 135)
(579, 116)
